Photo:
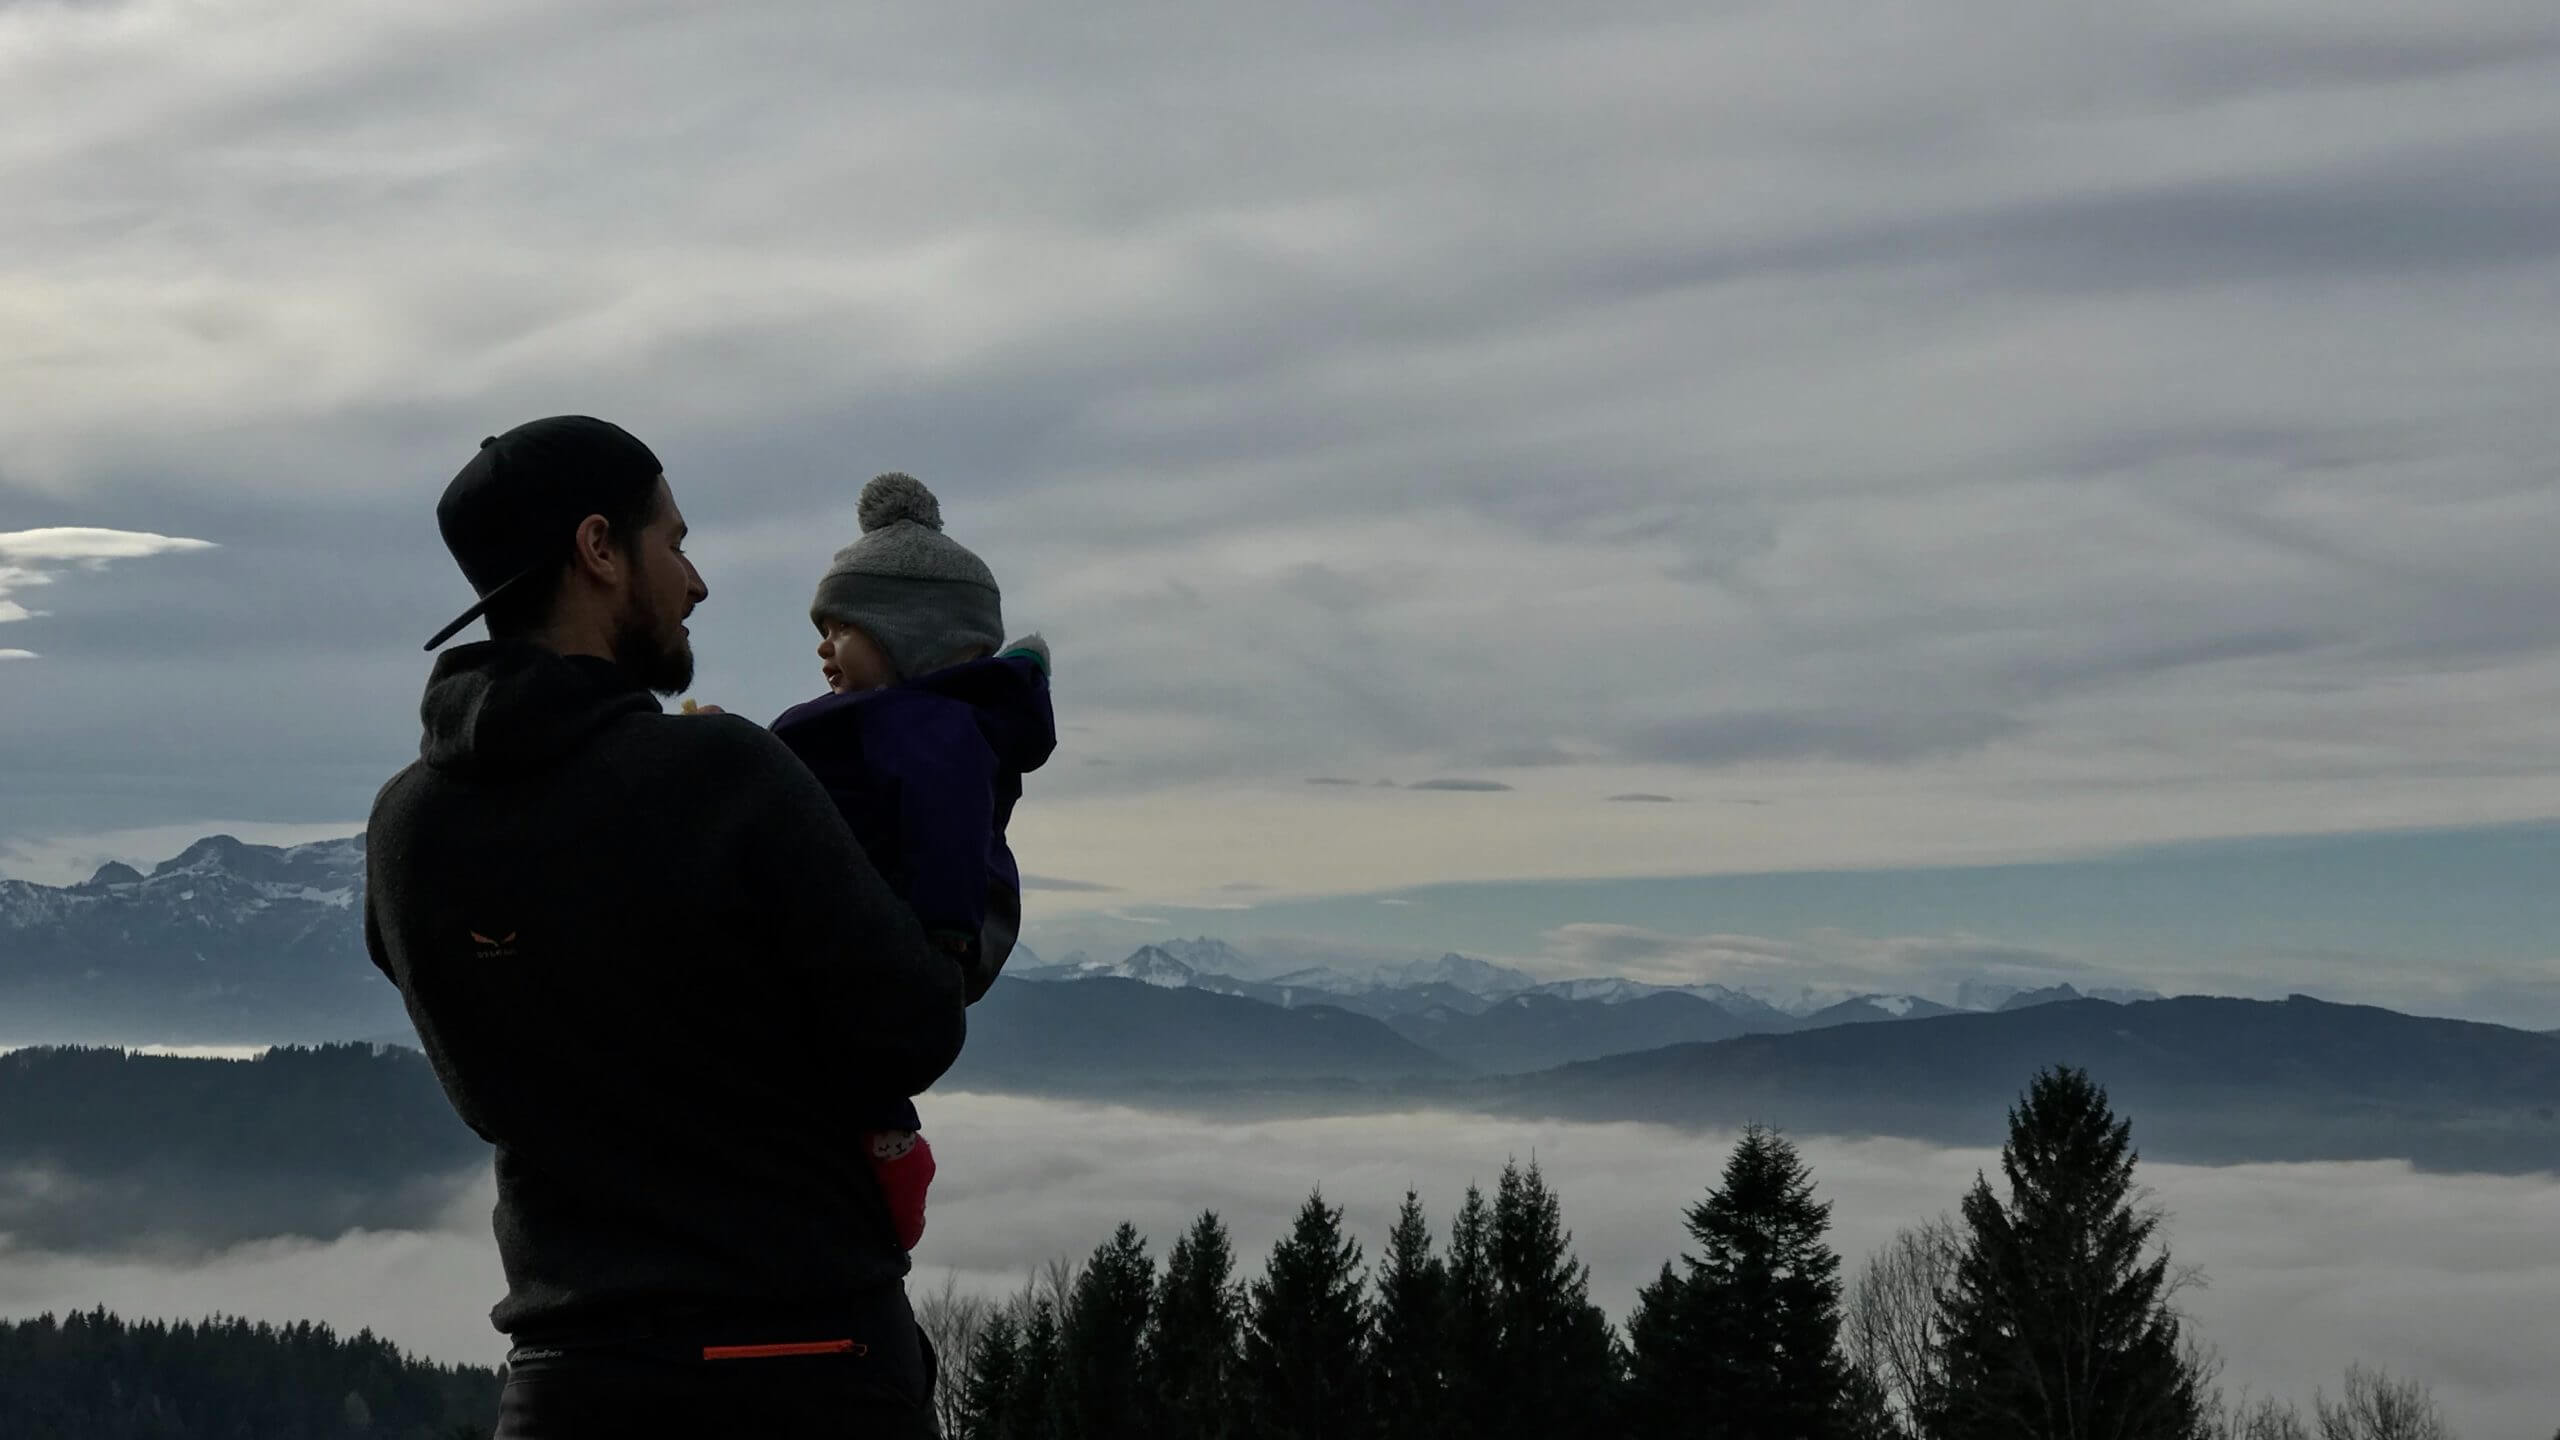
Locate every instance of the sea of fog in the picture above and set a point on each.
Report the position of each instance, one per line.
(2452, 1279)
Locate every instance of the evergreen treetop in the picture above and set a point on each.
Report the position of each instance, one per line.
(2057, 1325)
(1306, 1342)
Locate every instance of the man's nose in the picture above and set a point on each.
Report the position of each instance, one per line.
(699, 591)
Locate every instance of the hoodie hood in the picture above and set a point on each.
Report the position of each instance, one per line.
(506, 707)
(1010, 697)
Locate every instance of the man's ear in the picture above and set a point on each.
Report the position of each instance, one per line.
(594, 554)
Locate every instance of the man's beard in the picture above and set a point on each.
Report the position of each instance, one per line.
(653, 649)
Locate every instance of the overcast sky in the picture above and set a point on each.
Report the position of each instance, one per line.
(1882, 435)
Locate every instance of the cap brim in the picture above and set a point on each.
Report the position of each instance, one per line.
(480, 606)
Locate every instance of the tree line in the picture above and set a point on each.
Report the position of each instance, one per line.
(94, 1376)
(2045, 1309)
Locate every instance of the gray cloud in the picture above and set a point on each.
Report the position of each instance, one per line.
(1882, 737)
(1480, 787)
(1638, 797)
(1425, 404)
(1081, 887)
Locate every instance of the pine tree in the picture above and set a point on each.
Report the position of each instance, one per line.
(1664, 1364)
(1189, 1362)
(1035, 1410)
(1099, 1337)
(1556, 1364)
(1304, 1341)
(994, 1376)
(1473, 1359)
(1408, 1344)
(2057, 1326)
(1746, 1343)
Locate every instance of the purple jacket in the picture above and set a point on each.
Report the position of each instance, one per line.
(927, 773)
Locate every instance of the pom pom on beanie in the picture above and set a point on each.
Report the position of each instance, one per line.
(897, 496)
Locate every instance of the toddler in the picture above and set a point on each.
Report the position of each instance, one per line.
(923, 741)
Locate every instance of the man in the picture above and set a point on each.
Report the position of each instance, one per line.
(652, 967)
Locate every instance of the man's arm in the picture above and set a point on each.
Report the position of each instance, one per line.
(865, 987)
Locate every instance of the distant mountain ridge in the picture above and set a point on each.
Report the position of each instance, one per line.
(1114, 1035)
(1491, 1019)
(237, 943)
(213, 945)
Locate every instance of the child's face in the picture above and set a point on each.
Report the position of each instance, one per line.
(850, 660)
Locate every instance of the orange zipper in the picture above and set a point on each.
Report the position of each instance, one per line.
(797, 1347)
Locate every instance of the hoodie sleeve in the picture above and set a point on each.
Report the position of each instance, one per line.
(864, 984)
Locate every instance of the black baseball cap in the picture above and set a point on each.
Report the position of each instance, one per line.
(511, 512)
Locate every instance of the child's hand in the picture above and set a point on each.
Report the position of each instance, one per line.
(695, 707)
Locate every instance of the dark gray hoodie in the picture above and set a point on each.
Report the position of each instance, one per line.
(652, 968)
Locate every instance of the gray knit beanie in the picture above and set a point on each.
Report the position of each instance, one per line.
(919, 594)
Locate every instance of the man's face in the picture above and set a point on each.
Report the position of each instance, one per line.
(649, 637)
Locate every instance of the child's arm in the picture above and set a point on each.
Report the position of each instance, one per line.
(946, 818)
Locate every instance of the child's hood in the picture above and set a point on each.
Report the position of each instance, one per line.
(1009, 695)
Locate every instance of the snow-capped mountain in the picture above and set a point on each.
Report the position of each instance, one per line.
(1607, 989)
(2122, 994)
(1154, 965)
(1213, 957)
(219, 894)
(1985, 994)
(1993, 996)
(1866, 1009)
(1324, 980)
(1476, 977)
(1613, 990)
(1149, 965)
(1800, 1000)
(224, 939)
(1903, 1007)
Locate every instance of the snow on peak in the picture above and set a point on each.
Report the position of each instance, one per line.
(1323, 979)
(1477, 977)
(1207, 955)
(1151, 965)
(110, 875)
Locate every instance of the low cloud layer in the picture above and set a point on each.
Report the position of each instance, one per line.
(2444, 1278)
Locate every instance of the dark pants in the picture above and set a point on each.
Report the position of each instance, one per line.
(592, 1392)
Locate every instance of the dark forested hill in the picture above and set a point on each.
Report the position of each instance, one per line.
(1538, 1032)
(97, 1377)
(2212, 1079)
(99, 1146)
